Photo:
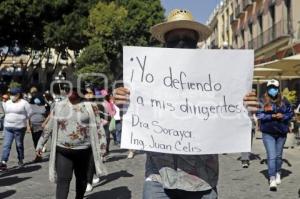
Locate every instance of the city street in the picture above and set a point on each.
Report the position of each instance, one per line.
(125, 178)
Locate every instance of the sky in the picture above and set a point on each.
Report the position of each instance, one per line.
(201, 9)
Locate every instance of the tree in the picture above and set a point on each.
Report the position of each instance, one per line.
(119, 23)
(44, 24)
(291, 96)
(93, 60)
(41, 25)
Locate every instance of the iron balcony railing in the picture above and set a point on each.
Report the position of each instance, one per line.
(237, 11)
(247, 3)
(278, 30)
(232, 19)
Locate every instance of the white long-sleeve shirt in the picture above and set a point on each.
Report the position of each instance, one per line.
(16, 113)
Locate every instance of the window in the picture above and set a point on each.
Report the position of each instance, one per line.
(250, 31)
(272, 14)
(260, 23)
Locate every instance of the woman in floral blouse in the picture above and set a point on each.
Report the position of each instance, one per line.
(77, 135)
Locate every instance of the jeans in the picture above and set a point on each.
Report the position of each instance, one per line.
(274, 147)
(155, 190)
(9, 135)
(118, 131)
(68, 160)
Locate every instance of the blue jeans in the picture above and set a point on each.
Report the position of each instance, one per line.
(274, 147)
(155, 190)
(9, 135)
(118, 131)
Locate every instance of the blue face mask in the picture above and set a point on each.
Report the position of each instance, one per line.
(273, 92)
(37, 101)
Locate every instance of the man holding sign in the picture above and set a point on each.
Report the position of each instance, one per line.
(182, 168)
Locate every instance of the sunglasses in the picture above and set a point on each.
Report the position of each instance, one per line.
(189, 42)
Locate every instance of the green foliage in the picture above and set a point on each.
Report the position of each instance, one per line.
(39, 24)
(291, 96)
(103, 26)
(14, 84)
(105, 20)
(93, 60)
(122, 22)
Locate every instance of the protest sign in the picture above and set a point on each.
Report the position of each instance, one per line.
(187, 101)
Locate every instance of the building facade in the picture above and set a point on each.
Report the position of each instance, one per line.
(37, 68)
(270, 27)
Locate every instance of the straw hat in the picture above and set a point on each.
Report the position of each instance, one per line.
(180, 19)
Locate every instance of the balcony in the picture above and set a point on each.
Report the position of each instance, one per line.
(239, 11)
(247, 3)
(277, 31)
(233, 19)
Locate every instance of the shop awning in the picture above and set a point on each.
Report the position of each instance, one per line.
(287, 67)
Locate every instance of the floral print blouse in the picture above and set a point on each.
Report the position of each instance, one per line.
(72, 126)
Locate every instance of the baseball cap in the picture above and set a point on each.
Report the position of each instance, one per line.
(273, 82)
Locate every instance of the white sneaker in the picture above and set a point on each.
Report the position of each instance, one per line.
(278, 178)
(89, 188)
(130, 155)
(273, 185)
(96, 180)
(44, 149)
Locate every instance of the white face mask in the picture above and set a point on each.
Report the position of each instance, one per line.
(13, 98)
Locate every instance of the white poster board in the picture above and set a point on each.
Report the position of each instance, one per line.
(187, 101)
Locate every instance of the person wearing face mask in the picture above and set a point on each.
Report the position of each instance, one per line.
(170, 176)
(39, 114)
(77, 134)
(17, 112)
(274, 116)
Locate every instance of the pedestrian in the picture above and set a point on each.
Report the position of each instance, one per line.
(17, 113)
(118, 121)
(39, 114)
(109, 112)
(89, 96)
(1, 113)
(245, 156)
(180, 176)
(274, 117)
(76, 136)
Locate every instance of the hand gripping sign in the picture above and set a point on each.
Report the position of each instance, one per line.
(187, 101)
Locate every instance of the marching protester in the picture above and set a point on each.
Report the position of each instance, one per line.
(274, 116)
(109, 113)
(245, 156)
(181, 176)
(76, 136)
(1, 113)
(17, 113)
(89, 96)
(118, 124)
(39, 114)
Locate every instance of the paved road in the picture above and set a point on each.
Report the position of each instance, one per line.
(125, 179)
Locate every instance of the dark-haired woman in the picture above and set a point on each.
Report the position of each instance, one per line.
(17, 112)
(76, 136)
(39, 114)
(274, 117)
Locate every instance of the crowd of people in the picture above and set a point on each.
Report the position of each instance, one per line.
(72, 120)
(80, 127)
